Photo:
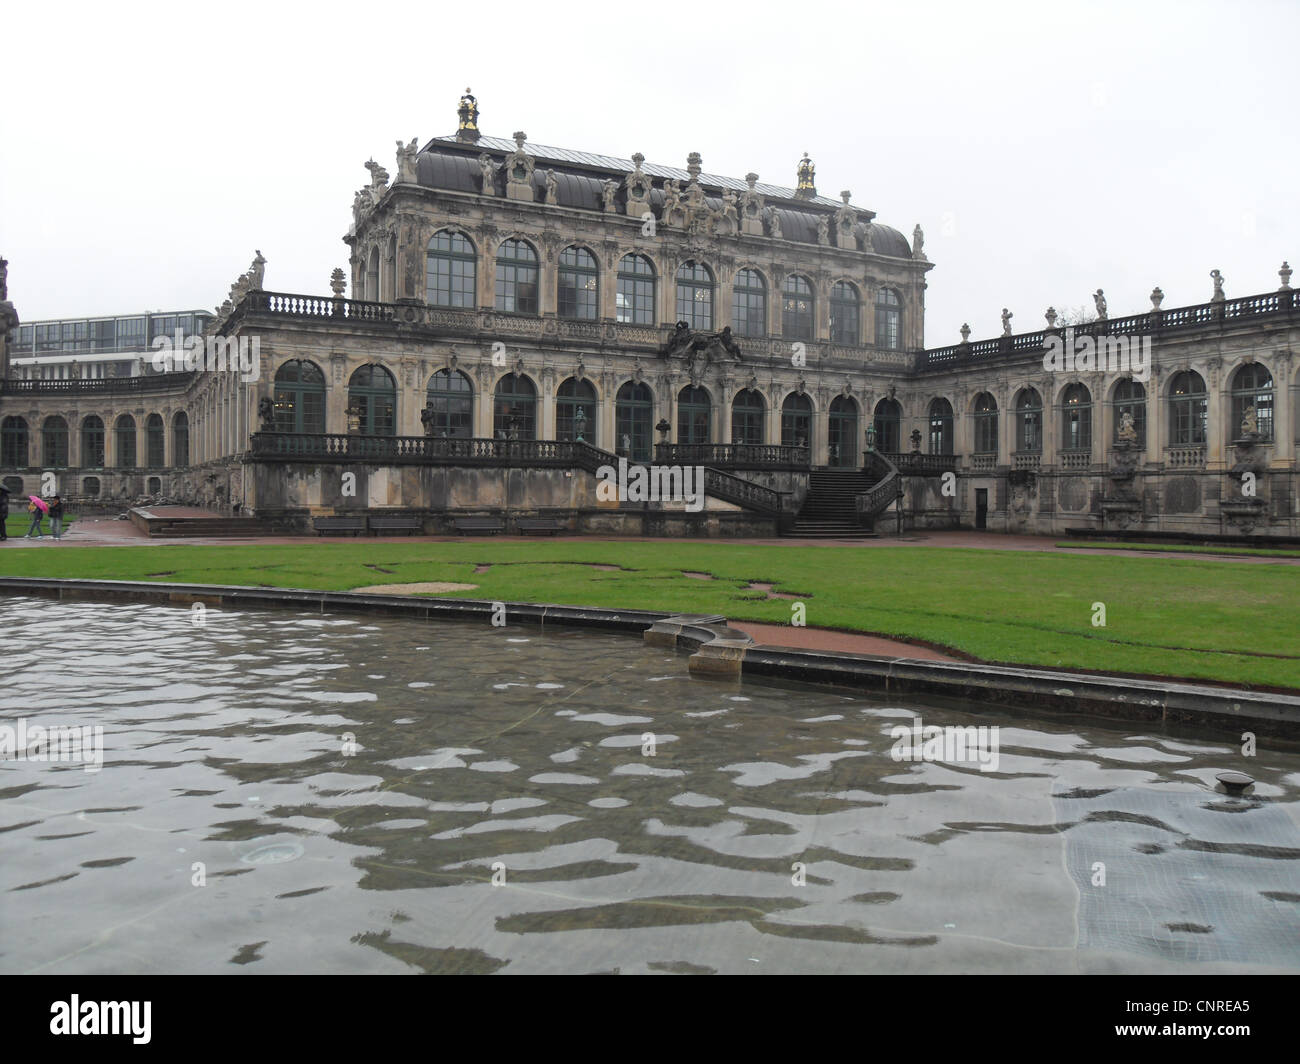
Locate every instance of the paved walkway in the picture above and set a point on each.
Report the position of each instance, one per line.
(110, 532)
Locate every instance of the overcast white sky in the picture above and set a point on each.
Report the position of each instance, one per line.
(1047, 149)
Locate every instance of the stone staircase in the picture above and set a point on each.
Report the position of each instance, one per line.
(828, 511)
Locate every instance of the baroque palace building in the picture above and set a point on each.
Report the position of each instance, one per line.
(522, 316)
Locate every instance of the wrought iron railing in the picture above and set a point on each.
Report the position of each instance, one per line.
(916, 464)
(1153, 321)
(153, 382)
(733, 455)
(430, 450)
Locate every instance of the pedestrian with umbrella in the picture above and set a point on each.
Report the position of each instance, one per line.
(4, 512)
(37, 508)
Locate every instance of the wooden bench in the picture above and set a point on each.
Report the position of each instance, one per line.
(540, 526)
(410, 525)
(491, 525)
(355, 525)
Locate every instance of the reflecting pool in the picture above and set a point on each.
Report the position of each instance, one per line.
(286, 791)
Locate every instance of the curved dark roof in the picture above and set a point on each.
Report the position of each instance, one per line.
(456, 169)
(887, 241)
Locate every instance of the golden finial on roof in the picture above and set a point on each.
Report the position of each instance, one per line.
(468, 112)
(806, 189)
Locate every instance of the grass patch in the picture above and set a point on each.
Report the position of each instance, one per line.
(1165, 617)
(19, 521)
(1258, 552)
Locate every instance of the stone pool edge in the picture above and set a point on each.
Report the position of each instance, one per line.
(720, 651)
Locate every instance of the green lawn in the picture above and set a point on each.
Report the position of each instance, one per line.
(1170, 617)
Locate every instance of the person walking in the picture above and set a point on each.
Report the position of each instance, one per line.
(56, 517)
(4, 512)
(37, 513)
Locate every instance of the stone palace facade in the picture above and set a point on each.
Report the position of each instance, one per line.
(521, 316)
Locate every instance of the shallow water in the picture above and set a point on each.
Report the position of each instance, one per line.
(290, 792)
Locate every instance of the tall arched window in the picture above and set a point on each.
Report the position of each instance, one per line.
(1076, 419)
(181, 439)
(796, 420)
(54, 442)
(797, 308)
(1029, 422)
(749, 304)
(633, 416)
(889, 319)
(695, 295)
(1189, 410)
(1131, 399)
(372, 395)
(842, 432)
(986, 424)
(13, 443)
(451, 264)
(573, 396)
(372, 276)
(579, 281)
(514, 408)
(299, 397)
(124, 432)
(451, 397)
(92, 442)
(846, 314)
(636, 290)
(747, 417)
(155, 442)
(516, 277)
(694, 415)
(940, 426)
(1252, 393)
(888, 424)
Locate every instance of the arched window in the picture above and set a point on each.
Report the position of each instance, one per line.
(372, 276)
(940, 426)
(180, 439)
(13, 443)
(747, 417)
(124, 431)
(889, 319)
(92, 442)
(888, 423)
(749, 304)
(155, 438)
(842, 432)
(90, 486)
(797, 308)
(451, 268)
(54, 442)
(695, 295)
(1029, 422)
(299, 397)
(516, 278)
(579, 281)
(1189, 410)
(846, 314)
(633, 416)
(372, 395)
(1131, 399)
(694, 415)
(796, 420)
(636, 290)
(1076, 419)
(986, 424)
(451, 397)
(514, 408)
(576, 396)
(1252, 395)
